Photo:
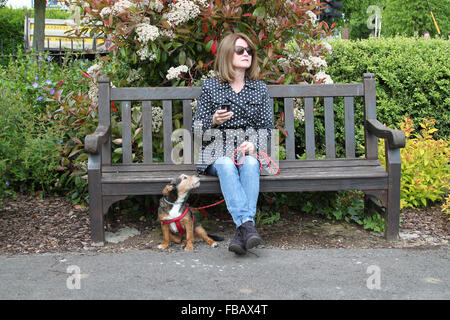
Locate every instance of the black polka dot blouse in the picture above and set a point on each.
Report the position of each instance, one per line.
(252, 120)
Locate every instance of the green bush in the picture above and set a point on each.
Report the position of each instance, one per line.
(412, 77)
(425, 165)
(41, 137)
(29, 155)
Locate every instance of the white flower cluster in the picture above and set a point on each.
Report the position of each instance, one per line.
(194, 105)
(146, 32)
(174, 73)
(312, 16)
(120, 6)
(289, 3)
(157, 118)
(283, 62)
(299, 114)
(314, 63)
(144, 53)
(182, 11)
(154, 5)
(106, 12)
(134, 75)
(92, 70)
(93, 92)
(87, 19)
(327, 46)
(272, 23)
(323, 75)
(210, 74)
(203, 3)
(167, 33)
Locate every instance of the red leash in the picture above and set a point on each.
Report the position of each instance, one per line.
(265, 155)
(211, 205)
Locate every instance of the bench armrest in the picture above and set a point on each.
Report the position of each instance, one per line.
(395, 138)
(93, 142)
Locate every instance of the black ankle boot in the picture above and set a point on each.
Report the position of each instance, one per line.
(237, 245)
(250, 236)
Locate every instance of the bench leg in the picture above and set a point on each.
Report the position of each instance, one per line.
(95, 202)
(393, 166)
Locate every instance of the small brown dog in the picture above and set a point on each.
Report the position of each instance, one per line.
(176, 217)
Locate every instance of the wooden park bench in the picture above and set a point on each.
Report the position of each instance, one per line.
(110, 182)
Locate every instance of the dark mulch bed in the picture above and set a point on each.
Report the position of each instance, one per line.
(31, 225)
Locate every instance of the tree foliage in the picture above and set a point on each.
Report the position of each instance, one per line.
(407, 18)
(413, 17)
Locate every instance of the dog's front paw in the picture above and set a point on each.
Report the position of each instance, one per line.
(214, 245)
(189, 246)
(163, 246)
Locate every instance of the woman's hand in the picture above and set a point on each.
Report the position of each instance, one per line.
(248, 147)
(220, 116)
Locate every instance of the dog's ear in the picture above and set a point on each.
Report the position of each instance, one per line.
(168, 188)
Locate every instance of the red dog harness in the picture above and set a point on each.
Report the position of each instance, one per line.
(180, 228)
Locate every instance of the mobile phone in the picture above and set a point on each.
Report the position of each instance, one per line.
(226, 107)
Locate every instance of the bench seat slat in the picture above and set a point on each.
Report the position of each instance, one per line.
(296, 183)
(287, 174)
(284, 164)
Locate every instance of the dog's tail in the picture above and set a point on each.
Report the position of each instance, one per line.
(215, 237)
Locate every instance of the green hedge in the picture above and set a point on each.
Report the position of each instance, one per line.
(11, 27)
(12, 23)
(412, 76)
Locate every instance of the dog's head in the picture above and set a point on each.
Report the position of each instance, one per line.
(179, 188)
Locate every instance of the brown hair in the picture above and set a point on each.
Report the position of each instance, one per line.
(223, 64)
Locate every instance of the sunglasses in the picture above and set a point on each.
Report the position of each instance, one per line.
(240, 50)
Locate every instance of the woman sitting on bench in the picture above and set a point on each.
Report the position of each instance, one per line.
(232, 105)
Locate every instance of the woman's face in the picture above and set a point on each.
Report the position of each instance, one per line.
(243, 61)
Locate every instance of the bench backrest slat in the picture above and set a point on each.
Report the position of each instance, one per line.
(289, 125)
(349, 127)
(104, 116)
(147, 135)
(309, 129)
(287, 93)
(167, 126)
(188, 147)
(126, 132)
(318, 90)
(371, 141)
(329, 128)
(275, 91)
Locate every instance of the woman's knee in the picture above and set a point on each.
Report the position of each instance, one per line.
(224, 164)
(251, 161)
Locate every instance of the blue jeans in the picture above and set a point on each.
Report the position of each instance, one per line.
(239, 185)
